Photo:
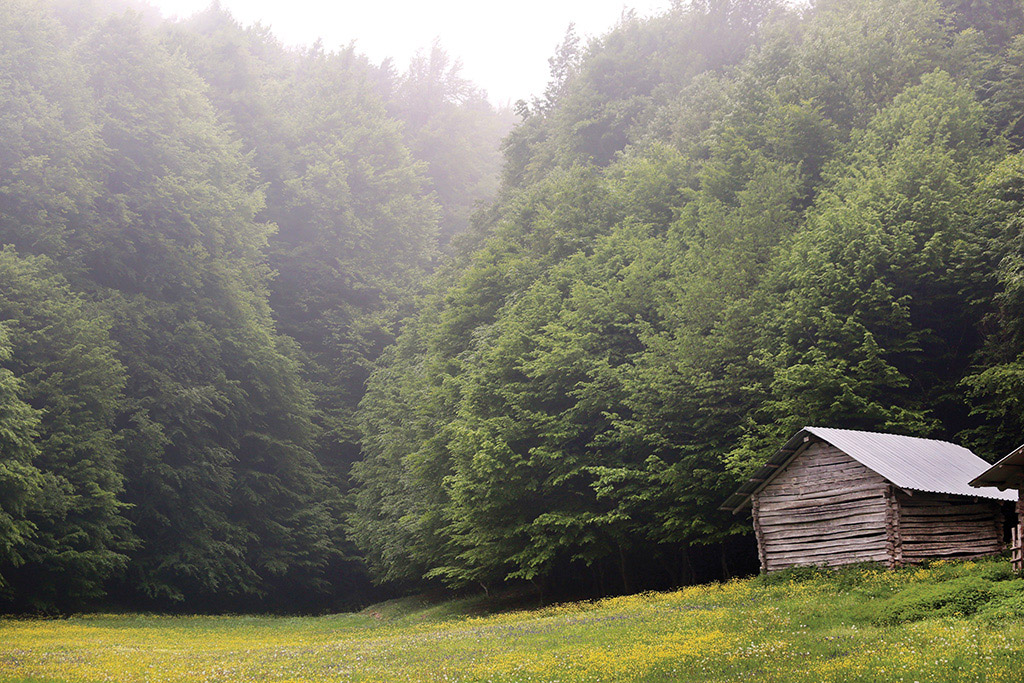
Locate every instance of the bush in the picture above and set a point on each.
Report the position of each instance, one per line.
(1000, 571)
(956, 597)
(1010, 608)
(846, 577)
(787, 576)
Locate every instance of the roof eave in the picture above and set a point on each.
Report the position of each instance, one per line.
(763, 476)
(1008, 473)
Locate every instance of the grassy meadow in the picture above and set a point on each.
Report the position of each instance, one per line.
(945, 622)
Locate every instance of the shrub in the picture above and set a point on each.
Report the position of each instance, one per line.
(956, 597)
(1000, 571)
(787, 576)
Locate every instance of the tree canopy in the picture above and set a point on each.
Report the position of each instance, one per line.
(286, 329)
(697, 251)
(208, 240)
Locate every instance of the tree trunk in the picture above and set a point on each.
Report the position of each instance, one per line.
(627, 587)
(687, 576)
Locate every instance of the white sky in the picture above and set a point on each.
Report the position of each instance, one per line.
(504, 47)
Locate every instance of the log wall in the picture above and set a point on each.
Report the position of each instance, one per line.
(1018, 536)
(936, 526)
(825, 508)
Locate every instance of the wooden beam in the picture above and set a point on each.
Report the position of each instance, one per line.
(893, 535)
(755, 509)
(1017, 552)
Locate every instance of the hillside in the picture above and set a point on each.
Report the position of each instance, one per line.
(285, 330)
(719, 225)
(944, 623)
(206, 240)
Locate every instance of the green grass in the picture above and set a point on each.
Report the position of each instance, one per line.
(947, 622)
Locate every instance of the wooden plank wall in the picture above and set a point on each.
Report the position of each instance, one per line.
(1018, 540)
(893, 537)
(935, 526)
(825, 508)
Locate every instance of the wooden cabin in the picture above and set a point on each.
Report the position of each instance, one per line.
(834, 496)
(1008, 473)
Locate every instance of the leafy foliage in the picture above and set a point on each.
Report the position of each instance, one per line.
(797, 230)
(956, 598)
(262, 332)
(210, 239)
(70, 380)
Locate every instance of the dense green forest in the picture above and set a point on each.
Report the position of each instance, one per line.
(278, 326)
(207, 241)
(716, 226)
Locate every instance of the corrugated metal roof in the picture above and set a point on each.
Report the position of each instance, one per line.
(908, 462)
(913, 463)
(1007, 473)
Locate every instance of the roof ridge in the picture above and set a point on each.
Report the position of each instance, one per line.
(901, 436)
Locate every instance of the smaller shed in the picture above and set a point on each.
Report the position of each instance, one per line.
(836, 496)
(1008, 473)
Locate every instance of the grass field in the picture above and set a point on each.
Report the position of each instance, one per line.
(946, 622)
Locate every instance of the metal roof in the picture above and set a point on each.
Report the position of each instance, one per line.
(908, 462)
(1007, 473)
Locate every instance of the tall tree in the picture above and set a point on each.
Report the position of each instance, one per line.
(451, 127)
(995, 384)
(873, 325)
(20, 482)
(66, 362)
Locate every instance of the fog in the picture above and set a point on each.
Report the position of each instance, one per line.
(503, 47)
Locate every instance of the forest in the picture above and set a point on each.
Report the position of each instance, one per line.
(286, 330)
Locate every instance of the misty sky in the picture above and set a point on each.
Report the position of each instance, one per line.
(504, 46)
